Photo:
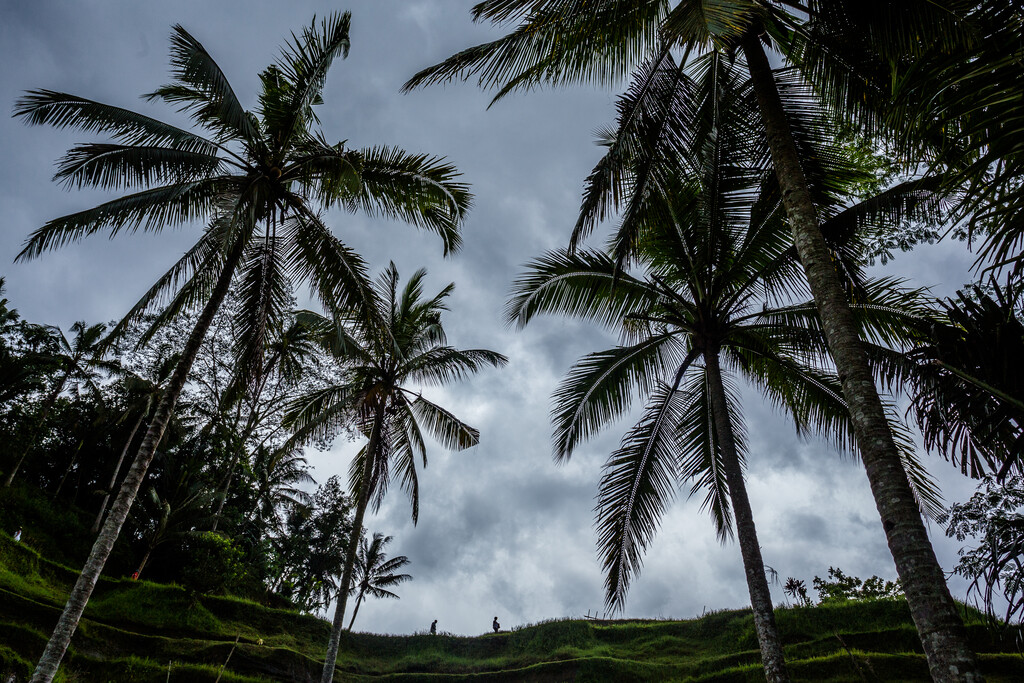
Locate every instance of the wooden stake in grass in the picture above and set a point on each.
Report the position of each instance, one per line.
(230, 652)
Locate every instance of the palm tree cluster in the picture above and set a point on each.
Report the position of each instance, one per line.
(260, 181)
(881, 69)
(747, 200)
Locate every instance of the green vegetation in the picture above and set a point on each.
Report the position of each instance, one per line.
(138, 630)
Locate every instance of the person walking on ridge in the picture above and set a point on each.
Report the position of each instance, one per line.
(495, 625)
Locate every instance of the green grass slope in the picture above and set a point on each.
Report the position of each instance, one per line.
(143, 631)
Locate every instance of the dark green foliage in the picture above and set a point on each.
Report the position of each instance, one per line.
(969, 385)
(56, 531)
(213, 563)
(308, 557)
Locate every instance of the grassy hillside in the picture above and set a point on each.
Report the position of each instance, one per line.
(142, 631)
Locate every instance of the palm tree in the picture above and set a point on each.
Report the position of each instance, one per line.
(259, 179)
(400, 340)
(700, 314)
(77, 359)
(275, 480)
(375, 572)
(960, 96)
(563, 41)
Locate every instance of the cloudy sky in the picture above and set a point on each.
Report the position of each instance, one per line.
(502, 530)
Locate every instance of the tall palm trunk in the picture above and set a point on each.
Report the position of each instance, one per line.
(331, 658)
(772, 656)
(48, 404)
(79, 597)
(932, 607)
(145, 559)
(355, 610)
(226, 489)
(117, 470)
(67, 470)
(222, 495)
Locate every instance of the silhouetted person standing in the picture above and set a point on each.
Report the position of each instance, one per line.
(433, 627)
(495, 625)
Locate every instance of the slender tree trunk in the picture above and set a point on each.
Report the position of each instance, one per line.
(83, 588)
(772, 656)
(331, 658)
(117, 470)
(67, 470)
(34, 434)
(355, 610)
(932, 607)
(145, 559)
(224, 493)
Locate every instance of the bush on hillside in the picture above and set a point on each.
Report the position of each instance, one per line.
(213, 563)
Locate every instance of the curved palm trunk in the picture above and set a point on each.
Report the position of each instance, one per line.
(355, 610)
(331, 658)
(223, 493)
(79, 597)
(222, 499)
(932, 607)
(772, 656)
(117, 470)
(67, 470)
(145, 559)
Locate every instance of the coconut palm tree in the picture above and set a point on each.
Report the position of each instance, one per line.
(398, 342)
(562, 42)
(79, 361)
(275, 480)
(259, 180)
(173, 507)
(375, 572)
(701, 313)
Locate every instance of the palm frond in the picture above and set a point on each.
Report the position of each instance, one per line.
(582, 285)
(449, 431)
(636, 486)
(150, 210)
(415, 188)
(600, 387)
(304, 64)
(338, 275)
(442, 365)
(558, 42)
(61, 110)
(113, 167)
(204, 91)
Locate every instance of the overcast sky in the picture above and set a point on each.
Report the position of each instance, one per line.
(502, 530)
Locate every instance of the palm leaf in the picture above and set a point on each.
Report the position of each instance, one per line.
(206, 93)
(449, 431)
(636, 486)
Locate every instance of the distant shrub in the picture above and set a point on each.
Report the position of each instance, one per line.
(842, 588)
(212, 563)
